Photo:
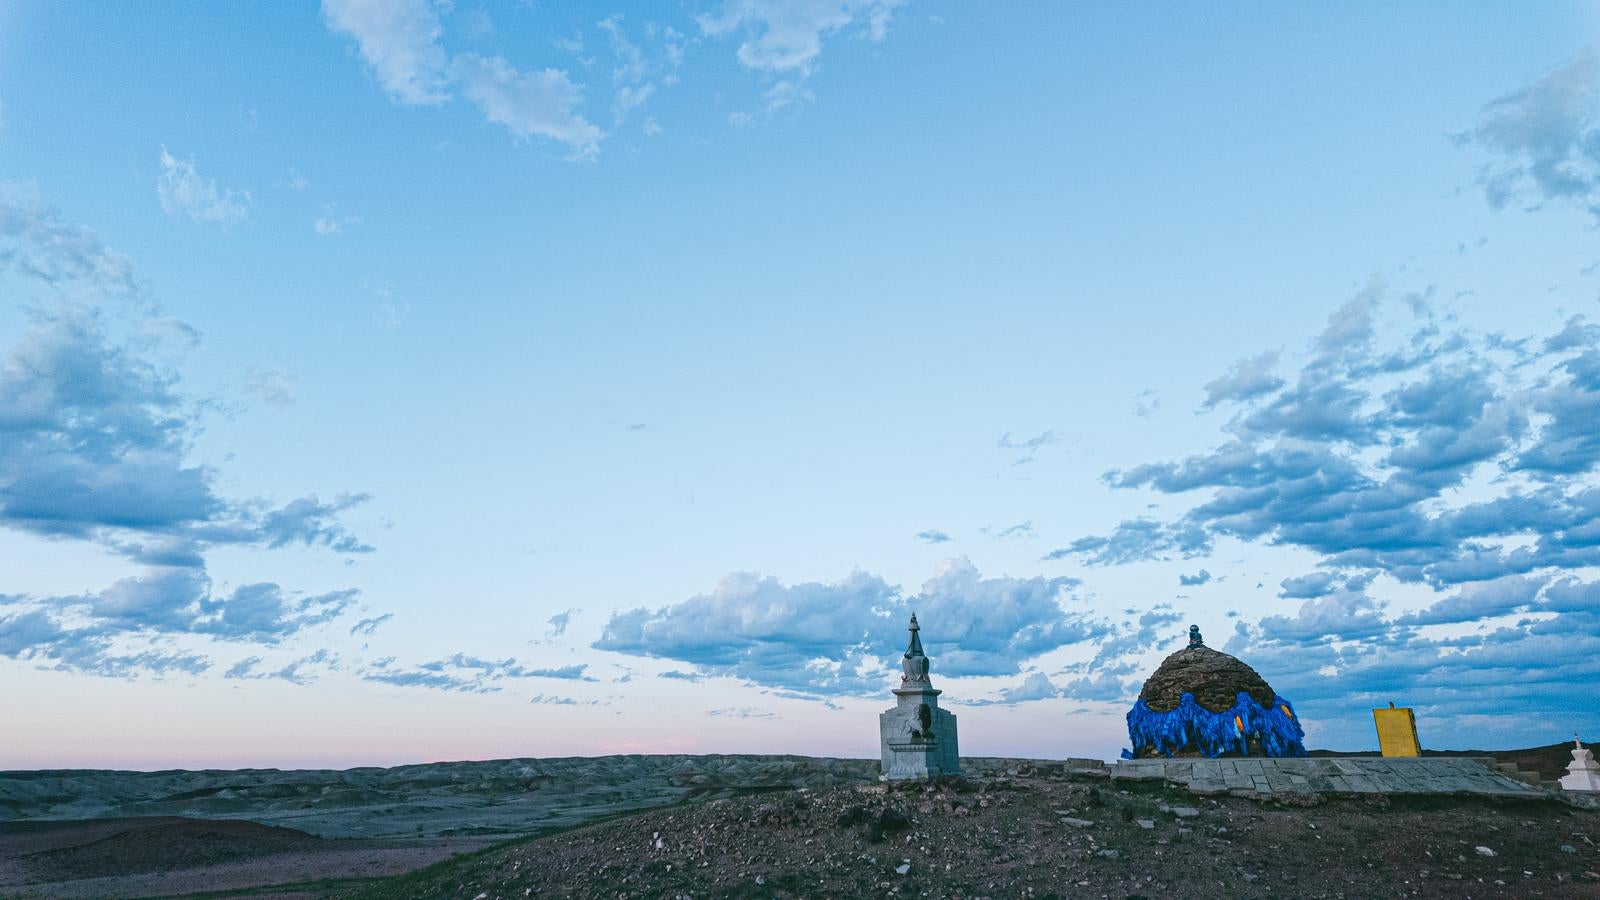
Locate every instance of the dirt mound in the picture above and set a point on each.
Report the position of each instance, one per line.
(1213, 677)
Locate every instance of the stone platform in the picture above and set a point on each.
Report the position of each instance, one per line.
(1331, 775)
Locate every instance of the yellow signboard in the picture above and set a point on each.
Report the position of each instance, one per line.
(1397, 731)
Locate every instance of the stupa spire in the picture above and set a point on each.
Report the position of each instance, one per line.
(915, 663)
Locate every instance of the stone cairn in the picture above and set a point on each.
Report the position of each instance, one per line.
(917, 738)
(1202, 702)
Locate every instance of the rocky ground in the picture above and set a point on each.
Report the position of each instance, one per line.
(1038, 830)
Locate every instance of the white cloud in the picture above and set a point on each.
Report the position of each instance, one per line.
(272, 386)
(786, 35)
(184, 192)
(399, 39)
(542, 103)
(330, 223)
(787, 93)
(637, 71)
(1545, 138)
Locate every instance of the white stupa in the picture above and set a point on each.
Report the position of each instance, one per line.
(1583, 773)
(918, 739)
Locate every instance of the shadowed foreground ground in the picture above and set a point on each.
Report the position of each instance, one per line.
(770, 827)
(1042, 832)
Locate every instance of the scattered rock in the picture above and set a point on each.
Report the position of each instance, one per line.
(1146, 824)
(1485, 851)
(1076, 823)
(1108, 854)
(855, 815)
(1568, 848)
(903, 868)
(888, 822)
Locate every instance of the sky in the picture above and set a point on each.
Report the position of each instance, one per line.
(386, 381)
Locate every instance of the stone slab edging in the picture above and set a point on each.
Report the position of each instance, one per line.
(1331, 775)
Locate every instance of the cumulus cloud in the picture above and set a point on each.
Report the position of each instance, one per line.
(544, 103)
(1317, 584)
(300, 670)
(1545, 139)
(558, 623)
(1129, 638)
(95, 439)
(368, 626)
(1481, 687)
(183, 192)
(933, 536)
(565, 673)
(465, 673)
(40, 247)
(399, 40)
(1027, 447)
(1105, 687)
(786, 35)
(272, 386)
(640, 66)
(828, 639)
(80, 633)
(783, 39)
(741, 712)
(1423, 454)
(1249, 378)
(1195, 580)
(1015, 532)
(310, 522)
(1360, 457)
(332, 224)
(1037, 686)
(557, 700)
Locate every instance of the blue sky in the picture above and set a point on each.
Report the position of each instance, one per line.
(385, 381)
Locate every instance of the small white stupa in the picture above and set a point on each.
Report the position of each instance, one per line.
(918, 738)
(1583, 773)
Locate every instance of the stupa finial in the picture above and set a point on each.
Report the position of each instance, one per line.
(915, 663)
